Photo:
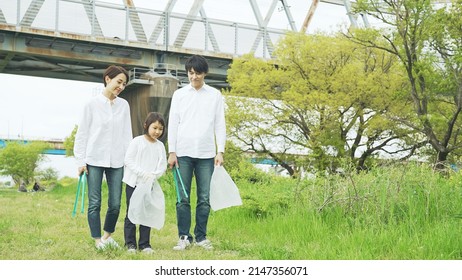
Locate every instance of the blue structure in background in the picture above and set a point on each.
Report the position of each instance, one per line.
(264, 161)
(55, 152)
(61, 152)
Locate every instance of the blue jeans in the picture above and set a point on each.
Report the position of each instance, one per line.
(202, 170)
(114, 182)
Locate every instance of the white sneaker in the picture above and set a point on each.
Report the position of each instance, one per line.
(100, 246)
(206, 244)
(148, 250)
(110, 242)
(182, 244)
(131, 250)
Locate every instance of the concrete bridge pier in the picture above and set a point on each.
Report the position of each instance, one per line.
(150, 90)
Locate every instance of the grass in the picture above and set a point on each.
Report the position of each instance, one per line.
(391, 213)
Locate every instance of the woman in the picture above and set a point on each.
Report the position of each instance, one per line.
(101, 141)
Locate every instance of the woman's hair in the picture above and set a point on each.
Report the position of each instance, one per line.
(198, 63)
(112, 71)
(152, 118)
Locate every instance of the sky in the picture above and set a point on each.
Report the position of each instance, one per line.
(43, 108)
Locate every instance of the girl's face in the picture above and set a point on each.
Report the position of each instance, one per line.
(155, 130)
(115, 85)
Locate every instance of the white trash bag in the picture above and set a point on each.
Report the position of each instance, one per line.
(223, 191)
(147, 206)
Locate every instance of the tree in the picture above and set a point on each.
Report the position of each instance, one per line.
(427, 42)
(324, 97)
(69, 142)
(19, 160)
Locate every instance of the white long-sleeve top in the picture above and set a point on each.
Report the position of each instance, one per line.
(144, 157)
(104, 133)
(196, 126)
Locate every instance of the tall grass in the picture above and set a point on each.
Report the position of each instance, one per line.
(395, 212)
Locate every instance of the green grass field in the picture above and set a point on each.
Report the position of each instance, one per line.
(392, 213)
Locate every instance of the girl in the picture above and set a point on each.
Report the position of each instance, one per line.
(145, 162)
(102, 138)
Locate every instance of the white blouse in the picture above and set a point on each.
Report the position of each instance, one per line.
(144, 157)
(104, 133)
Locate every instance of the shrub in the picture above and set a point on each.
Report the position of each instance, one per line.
(19, 160)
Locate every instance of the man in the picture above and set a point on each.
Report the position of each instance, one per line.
(196, 142)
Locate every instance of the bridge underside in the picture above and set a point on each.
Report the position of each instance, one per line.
(39, 53)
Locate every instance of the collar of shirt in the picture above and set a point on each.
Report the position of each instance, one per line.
(203, 88)
(107, 100)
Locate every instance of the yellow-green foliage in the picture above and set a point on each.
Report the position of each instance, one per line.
(69, 142)
(19, 160)
(325, 96)
(425, 37)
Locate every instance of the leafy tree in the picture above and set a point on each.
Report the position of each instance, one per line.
(326, 97)
(426, 39)
(69, 143)
(19, 160)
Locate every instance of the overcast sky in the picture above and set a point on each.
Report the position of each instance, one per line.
(50, 108)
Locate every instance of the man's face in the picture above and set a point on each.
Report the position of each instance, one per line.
(196, 79)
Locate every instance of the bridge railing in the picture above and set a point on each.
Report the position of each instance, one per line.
(143, 75)
(152, 28)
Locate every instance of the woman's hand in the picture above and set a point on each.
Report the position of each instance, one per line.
(172, 160)
(82, 169)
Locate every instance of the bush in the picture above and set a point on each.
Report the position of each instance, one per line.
(48, 174)
(240, 168)
(19, 160)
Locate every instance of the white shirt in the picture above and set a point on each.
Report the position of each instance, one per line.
(104, 133)
(196, 126)
(144, 157)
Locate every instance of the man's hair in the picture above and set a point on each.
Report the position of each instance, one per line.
(198, 63)
(112, 71)
(152, 118)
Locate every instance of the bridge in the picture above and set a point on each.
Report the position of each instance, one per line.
(78, 39)
(56, 145)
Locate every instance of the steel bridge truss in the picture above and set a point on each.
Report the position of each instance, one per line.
(77, 39)
(163, 29)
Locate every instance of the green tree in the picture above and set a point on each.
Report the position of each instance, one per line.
(426, 39)
(69, 142)
(19, 160)
(324, 97)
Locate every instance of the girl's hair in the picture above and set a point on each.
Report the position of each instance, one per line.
(152, 118)
(112, 71)
(198, 63)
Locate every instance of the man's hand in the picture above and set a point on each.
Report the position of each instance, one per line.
(219, 159)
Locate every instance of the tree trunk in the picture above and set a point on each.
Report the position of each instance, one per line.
(441, 160)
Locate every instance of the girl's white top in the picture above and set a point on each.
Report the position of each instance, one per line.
(104, 133)
(196, 126)
(144, 159)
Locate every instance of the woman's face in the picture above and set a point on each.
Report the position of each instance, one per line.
(116, 85)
